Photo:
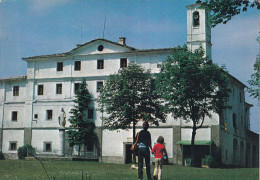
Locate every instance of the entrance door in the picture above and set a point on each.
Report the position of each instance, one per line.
(128, 154)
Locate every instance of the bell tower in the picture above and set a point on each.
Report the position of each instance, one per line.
(198, 28)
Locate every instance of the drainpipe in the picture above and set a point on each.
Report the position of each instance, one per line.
(33, 89)
(2, 133)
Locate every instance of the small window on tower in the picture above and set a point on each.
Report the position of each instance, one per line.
(196, 19)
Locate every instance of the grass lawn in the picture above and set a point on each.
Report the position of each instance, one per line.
(64, 170)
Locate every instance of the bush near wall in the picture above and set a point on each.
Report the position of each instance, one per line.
(211, 162)
(25, 151)
(1, 156)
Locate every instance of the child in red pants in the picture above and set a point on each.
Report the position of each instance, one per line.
(159, 151)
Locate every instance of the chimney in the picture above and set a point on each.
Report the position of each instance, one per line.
(122, 41)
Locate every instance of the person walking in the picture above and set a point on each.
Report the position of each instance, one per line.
(159, 152)
(144, 143)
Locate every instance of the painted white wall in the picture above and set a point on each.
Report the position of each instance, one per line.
(113, 140)
(8, 123)
(9, 91)
(201, 134)
(14, 136)
(40, 136)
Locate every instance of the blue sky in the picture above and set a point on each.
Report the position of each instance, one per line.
(40, 27)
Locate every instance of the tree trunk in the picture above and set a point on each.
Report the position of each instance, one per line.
(134, 156)
(193, 152)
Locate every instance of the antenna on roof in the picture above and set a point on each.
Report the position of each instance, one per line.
(82, 28)
(104, 27)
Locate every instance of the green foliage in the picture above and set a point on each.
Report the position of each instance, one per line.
(1, 156)
(211, 161)
(128, 96)
(82, 129)
(224, 10)
(26, 150)
(192, 88)
(254, 82)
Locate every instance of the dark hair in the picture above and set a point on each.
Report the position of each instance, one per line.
(160, 140)
(145, 125)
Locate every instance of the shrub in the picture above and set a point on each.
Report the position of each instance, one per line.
(25, 150)
(1, 156)
(211, 162)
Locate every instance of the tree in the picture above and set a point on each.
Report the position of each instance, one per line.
(224, 10)
(192, 87)
(254, 82)
(82, 129)
(128, 97)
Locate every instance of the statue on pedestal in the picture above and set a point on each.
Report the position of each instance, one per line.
(62, 118)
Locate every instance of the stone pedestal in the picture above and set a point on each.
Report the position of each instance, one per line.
(62, 141)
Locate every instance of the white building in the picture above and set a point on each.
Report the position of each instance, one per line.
(30, 105)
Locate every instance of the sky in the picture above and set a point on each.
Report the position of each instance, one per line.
(41, 27)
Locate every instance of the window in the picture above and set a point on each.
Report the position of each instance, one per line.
(58, 88)
(123, 62)
(16, 91)
(234, 117)
(100, 64)
(76, 87)
(77, 65)
(49, 114)
(100, 48)
(99, 86)
(40, 89)
(196, 18)
(14, 116)
(47, 147)
(13, 146)
(90, 113)
(59, 66)
(35, 116)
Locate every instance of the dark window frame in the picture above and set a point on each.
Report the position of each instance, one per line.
(76, 87)
(14, 116)
(59, 66)
(100, 64)
(77, 66)
(59, 88)
(100, 84)
(15, 90)
(123, 62)
(40, 89)
(13, 146)
(196, 21)
(47, 146)
(49, 114)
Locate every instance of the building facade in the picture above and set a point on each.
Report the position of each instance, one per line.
(30, 105)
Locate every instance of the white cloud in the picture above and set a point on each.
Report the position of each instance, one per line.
(41, 5)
